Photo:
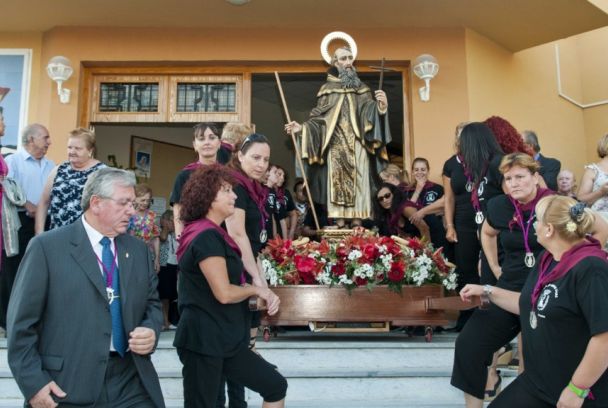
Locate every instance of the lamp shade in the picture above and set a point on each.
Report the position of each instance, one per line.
(426, 66)
(59, 69)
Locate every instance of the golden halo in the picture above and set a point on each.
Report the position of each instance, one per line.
(337, 35)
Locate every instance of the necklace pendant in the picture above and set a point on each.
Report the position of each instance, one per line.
(533, 320)
(263, 236)
(529, 260)
(469, 186)
(479, 217)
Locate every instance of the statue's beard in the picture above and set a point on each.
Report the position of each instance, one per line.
(349, 78)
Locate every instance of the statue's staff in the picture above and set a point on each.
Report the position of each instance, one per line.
(295, 146)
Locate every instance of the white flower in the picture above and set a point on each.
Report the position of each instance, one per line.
(386, 261)
(450, 281)
(423, 261)
(364, 271)
(354, 255)
(420, 275)
(344, 280)
(270, 272)
(324, 278)
(381, 248)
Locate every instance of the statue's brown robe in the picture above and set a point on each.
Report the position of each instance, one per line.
(344, 146)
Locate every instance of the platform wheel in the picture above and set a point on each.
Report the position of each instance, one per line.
(428, 334)
(266, 333)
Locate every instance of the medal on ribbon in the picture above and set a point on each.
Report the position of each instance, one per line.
(530, 260)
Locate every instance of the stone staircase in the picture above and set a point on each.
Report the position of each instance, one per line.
(379, 370)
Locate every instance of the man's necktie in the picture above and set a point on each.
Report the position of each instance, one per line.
(118, 333)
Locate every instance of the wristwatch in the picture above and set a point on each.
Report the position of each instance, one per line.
(487, 290)
(580, 392)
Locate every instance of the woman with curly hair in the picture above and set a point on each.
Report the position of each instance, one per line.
(213, 333)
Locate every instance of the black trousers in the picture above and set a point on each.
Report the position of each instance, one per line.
(517, 395)
(236, 395)
(202, 375)
(466, 257)
(483, 334)
(8, 270)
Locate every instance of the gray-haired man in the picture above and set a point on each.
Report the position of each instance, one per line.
(85, 315)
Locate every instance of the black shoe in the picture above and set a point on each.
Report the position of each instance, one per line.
(491, 394)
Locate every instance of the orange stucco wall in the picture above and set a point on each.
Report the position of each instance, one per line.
(477, 78)
(432, 122)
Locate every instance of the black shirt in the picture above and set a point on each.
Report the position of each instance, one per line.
(253, 225)
(178, 186)
(568, 312)
(511, 239)
(490, 186)
(206, 326)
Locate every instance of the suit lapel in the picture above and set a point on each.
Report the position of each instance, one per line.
(83, 254)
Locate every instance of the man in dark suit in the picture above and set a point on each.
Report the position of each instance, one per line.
(549, 168)
(84, 315)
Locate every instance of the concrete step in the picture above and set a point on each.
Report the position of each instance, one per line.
(389, 370)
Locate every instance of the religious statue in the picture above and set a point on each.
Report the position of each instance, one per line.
(343, 144)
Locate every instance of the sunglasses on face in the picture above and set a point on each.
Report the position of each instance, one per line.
(384, 197)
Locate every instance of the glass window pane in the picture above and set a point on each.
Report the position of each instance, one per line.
(209, 97)
(128, 97)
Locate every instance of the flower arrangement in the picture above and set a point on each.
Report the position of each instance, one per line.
(357, 260)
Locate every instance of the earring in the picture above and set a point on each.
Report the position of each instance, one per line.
(547, 235)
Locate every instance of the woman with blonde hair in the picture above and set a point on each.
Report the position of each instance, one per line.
(563, 313)
(396, 176)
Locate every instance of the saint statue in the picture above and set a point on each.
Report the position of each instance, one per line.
(343, 144)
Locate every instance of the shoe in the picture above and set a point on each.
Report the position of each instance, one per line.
(513, 364)
(172, 327)
(2, 332)
(505, 356)
(491, 394)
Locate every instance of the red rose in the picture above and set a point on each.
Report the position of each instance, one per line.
(370, 252)
(415, 244)
(397, 272)
(338, 269)
(304, 264)
(341, 251)
(360, 281)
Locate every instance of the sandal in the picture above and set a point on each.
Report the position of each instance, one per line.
(505, 356)
(491, 394)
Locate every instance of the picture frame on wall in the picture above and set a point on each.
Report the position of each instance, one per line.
(15, 77)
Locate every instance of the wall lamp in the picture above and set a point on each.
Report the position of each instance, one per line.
(425, 68)
(60, 70)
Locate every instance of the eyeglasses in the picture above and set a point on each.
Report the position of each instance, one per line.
(384, 197)
(253, 138)
(122, 203)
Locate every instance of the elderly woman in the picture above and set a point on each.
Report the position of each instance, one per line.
(594, 185)
(63, 190)
(566, 183)
(563, 313)
(213, 333)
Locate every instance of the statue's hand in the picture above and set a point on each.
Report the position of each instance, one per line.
(293, 127)
(381, 99)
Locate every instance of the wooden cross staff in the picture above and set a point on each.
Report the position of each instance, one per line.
(299, 158)
(382, 70)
